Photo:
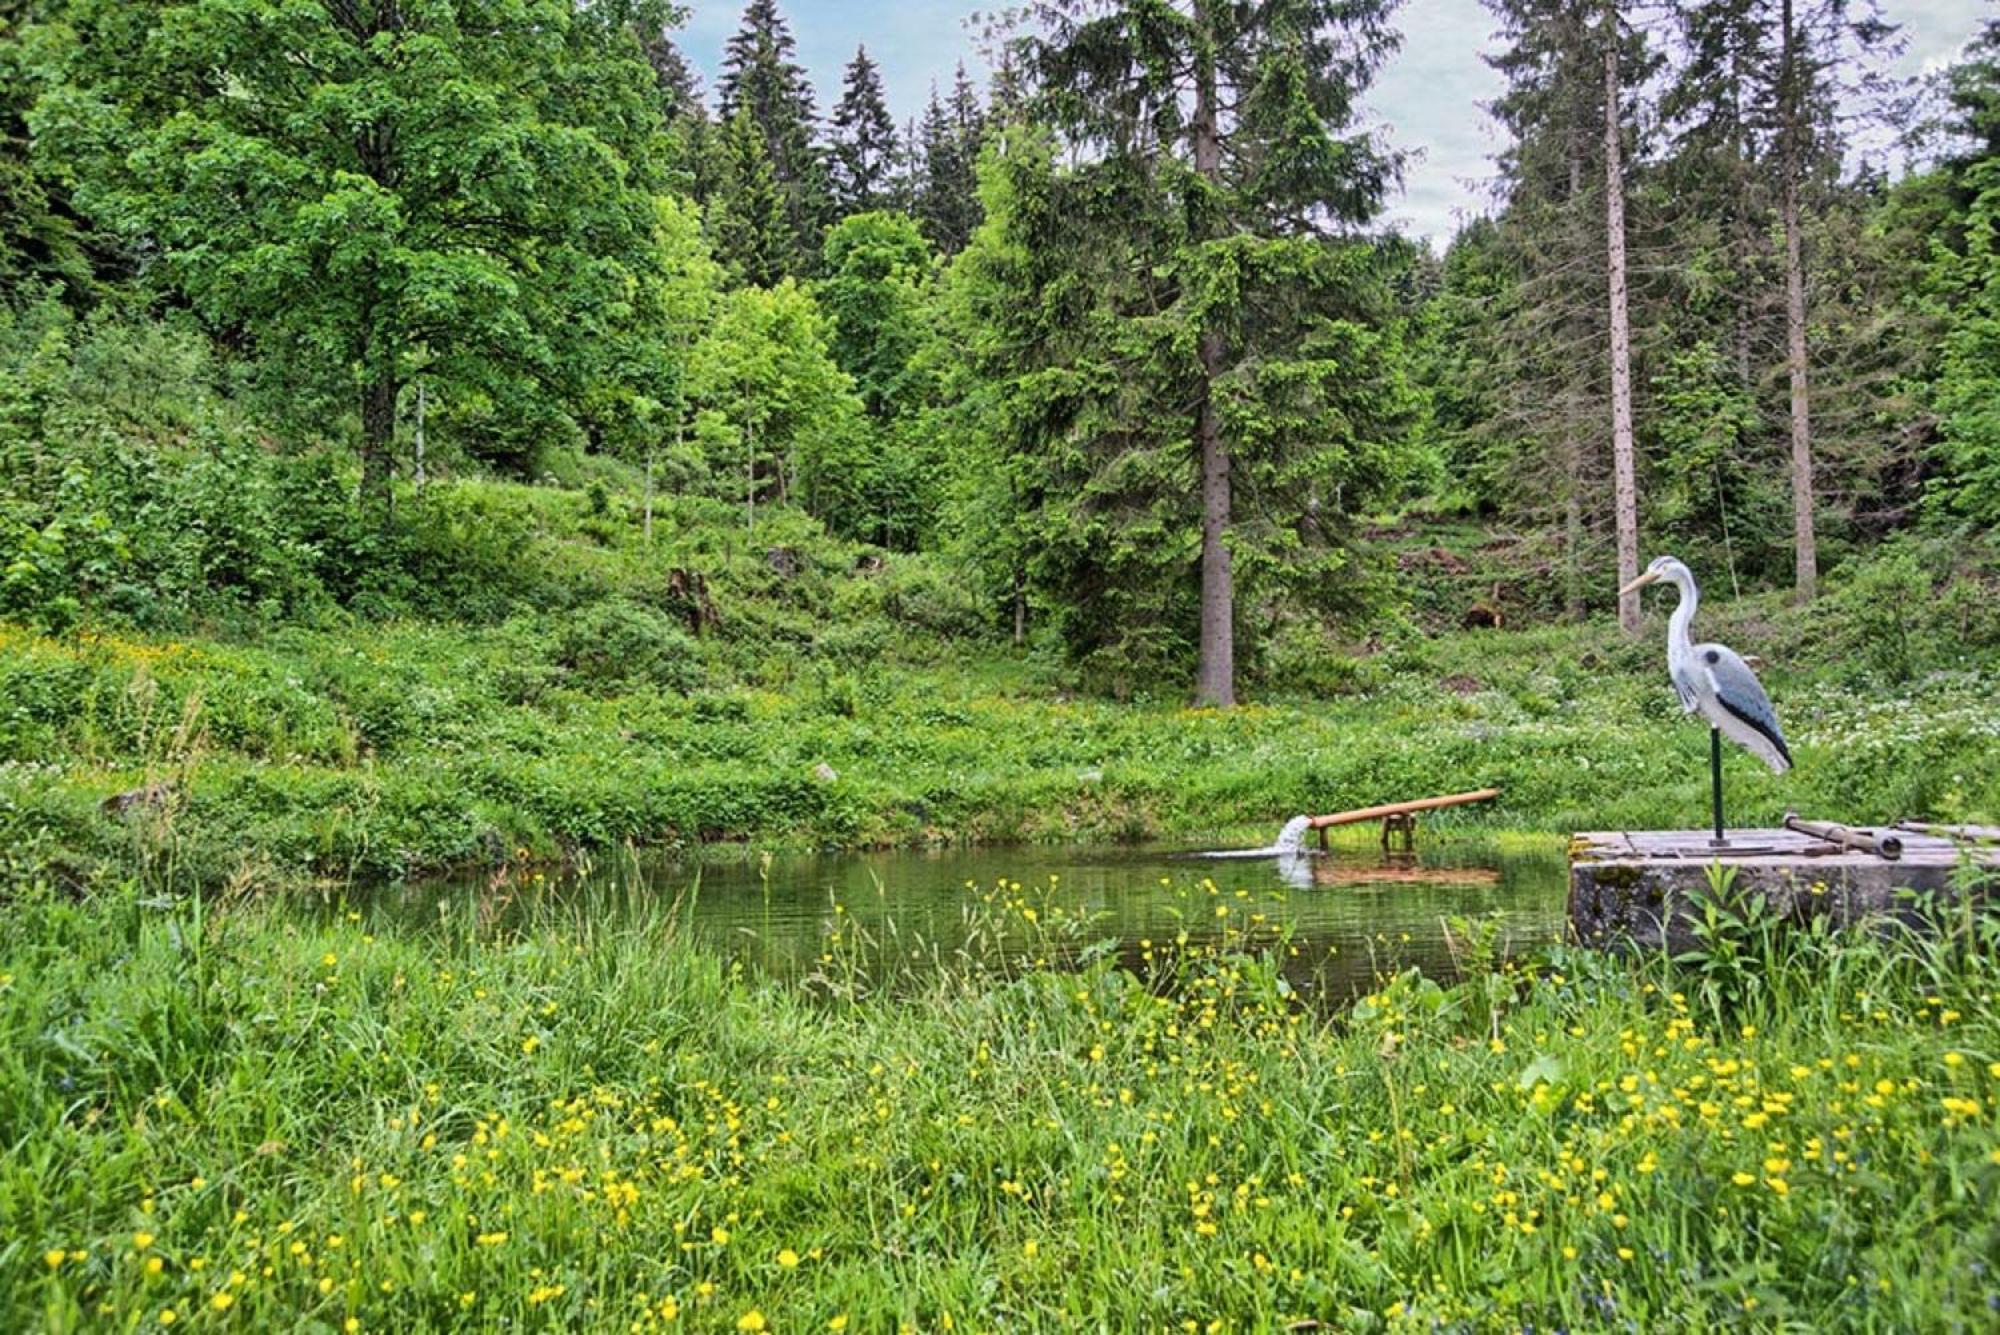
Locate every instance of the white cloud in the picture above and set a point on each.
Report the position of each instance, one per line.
(1430, 98)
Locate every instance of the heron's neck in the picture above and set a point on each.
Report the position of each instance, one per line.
(1679, 647)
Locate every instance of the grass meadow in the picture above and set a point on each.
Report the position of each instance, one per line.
(393, 751)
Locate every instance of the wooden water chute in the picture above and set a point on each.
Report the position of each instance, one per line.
(1398, 816)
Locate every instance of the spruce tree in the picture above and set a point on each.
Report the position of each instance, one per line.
(968, 117)
(947, 148)
(1546, 441)
(747, 222)
(864, 140)
(762, 80)
(693, 147)
(1755, 105)
(680, 86)
(1966, 279)
(906, 190)
(1200, 371)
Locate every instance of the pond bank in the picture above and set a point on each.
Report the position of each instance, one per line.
(387, 752)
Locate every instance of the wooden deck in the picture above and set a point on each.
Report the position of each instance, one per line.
(1637, 885)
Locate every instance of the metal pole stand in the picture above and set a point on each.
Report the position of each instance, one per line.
(1715, 775)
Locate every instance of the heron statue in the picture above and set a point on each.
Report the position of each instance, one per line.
(1714, 679)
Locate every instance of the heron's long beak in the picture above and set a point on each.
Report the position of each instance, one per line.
(1647, 578)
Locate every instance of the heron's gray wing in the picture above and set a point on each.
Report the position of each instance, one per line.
(1738, 691)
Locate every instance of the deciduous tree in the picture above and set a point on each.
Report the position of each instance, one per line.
(363, 186)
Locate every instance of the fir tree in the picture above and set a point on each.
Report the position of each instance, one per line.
(947, 199)
(747, 216)
(1198, 372)
(864, 140)
(761, 80)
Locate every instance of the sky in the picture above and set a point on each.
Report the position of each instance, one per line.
(1430, 96)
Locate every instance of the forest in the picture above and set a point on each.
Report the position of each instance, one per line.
(452, 447)
(602, 405)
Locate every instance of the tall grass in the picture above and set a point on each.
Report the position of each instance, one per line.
(263, 1116)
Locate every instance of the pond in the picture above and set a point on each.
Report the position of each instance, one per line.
(1338, 920)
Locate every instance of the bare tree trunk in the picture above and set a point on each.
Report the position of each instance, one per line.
(1215, 677)
(649, 493)
(1744, 235)
(750, 476)
(1573, 527)
(378, 441)
(417, 473)
(1020, 607)
(1215, 672)
(1572, 445)
(1805, 546)
(1621, 336)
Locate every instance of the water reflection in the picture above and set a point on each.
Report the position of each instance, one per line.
(1335, 920)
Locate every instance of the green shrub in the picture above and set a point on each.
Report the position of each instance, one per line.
(466, 550)
(1304, 658)
(617, 644)
(1879, 612)
(920, 593)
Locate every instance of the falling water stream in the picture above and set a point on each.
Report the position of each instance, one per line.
(1290, 843)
